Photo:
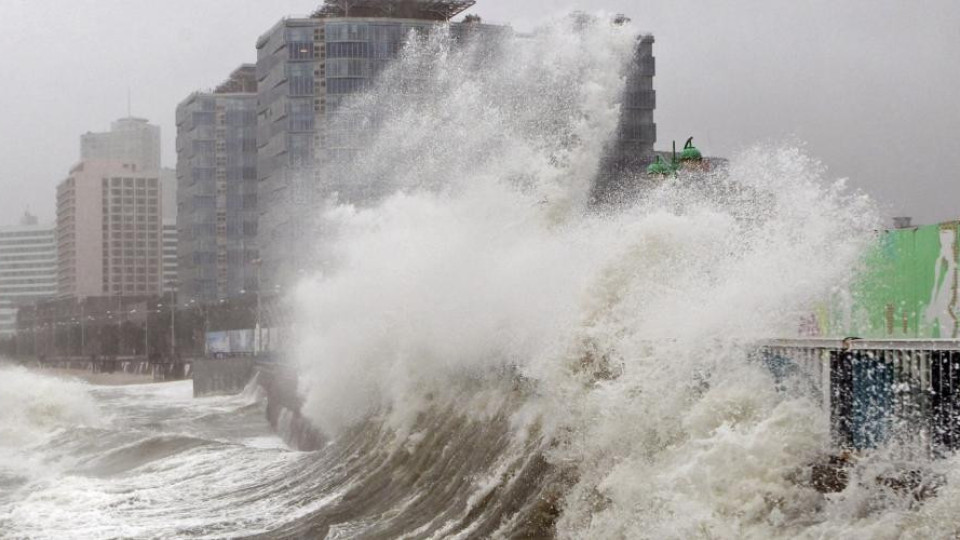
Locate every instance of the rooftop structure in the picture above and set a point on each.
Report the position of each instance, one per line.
(130, 140)
(243, 80)
(428, 10)
(28, 219)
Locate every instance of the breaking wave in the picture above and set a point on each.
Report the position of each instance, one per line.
(529, 365)
(34, 406)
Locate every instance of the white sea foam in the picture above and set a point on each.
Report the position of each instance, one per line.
(33, 405)
(632, 326)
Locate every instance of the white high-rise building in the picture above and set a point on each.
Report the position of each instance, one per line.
(28, 268)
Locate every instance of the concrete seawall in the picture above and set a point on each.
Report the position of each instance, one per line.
(278, 379)
(221, 376)
(159, 370)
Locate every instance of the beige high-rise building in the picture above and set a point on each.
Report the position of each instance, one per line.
(109, 231)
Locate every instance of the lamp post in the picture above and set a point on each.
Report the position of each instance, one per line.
(36, 330)
(146, 331)
(193, 307)
(173, 318)
(55, 323)
(259, 329)
(83, 328)
(73, 324)
(120, 323)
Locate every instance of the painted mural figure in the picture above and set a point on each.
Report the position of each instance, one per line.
(941, 312)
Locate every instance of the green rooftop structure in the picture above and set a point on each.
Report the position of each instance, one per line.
(690, 158)
(690, 152)
(660, 167)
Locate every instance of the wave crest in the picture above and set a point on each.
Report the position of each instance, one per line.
(34, 405)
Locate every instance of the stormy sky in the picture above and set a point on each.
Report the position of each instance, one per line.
(869, 86)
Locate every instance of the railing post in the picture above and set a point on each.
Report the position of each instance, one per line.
(841, 397)
(944, 380)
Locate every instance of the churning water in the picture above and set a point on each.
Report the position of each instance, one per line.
(488, 355)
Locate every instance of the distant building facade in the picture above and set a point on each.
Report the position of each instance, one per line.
(217, 190)
(168, 179)
(170, 257)
(306, 68)
(130, 140)
(28, 269)
(109, 231)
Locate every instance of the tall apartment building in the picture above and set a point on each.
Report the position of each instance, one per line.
(217, 190)
(306, 68)
(109, 232)
(28, 269)
(130, 140)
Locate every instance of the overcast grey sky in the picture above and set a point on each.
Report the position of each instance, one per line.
(871, 86)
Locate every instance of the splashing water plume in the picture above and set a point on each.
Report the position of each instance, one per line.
(479, 284)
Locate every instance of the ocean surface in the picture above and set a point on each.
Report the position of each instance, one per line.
(150, 461)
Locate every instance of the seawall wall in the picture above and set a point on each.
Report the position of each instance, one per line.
(221, 376)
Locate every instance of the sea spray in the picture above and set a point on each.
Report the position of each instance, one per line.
(32, 406)
(476, 287)
(496, 146)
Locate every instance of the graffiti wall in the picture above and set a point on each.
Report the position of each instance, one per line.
(907, 288)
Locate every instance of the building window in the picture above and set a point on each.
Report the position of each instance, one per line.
(301, 115)
(204, 118)
(349, 50)
(348, 67)
(300, 78)
(300, 50)
(346, 86)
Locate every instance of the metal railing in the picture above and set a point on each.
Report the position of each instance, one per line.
(877, 392)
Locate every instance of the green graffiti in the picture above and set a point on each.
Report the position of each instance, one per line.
(907, 288)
